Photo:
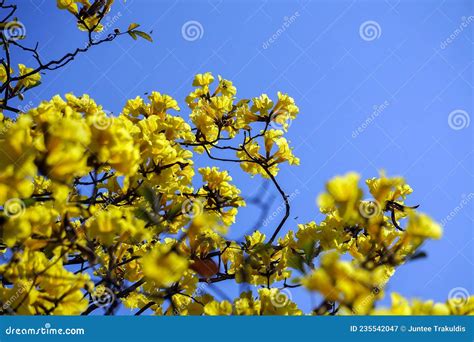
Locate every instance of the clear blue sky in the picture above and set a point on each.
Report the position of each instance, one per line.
(335, 76)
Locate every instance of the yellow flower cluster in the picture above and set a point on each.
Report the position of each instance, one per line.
(367, 226)
(277, 151)
(353, 287)
(32, 227)
(217, 116)
(89, 12)
(117, 195)
(42, 285)
(116, 225)
(454, 306)
(28, 78)
(267, 302)
(164, 266)
(220, 194)
(370, 231)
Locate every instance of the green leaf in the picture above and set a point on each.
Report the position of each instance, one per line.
(296, 261)
(144, 35)
(29, 201)
(150, 195)
(133, 35)
(141, 213)
(173, 212)
(33, 86)
(132, 26)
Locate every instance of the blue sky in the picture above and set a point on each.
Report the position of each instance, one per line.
(336, 71)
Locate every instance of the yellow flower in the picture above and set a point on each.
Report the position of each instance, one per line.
(221, 194)
(50, 288)
(38, 220)
(271, 159)
(344, 188)
(69, 5)
(113, 144)
(342, 197)
(117, 224)
(218, 308)
(202, 80)
(159, 104)
(17, 160)
(164, 266)
(247, 305)
(421, 225)
(354, 287)
(28, 81)
(117, 193)
(65, 145)
(262, 105)
(226, 87)
(384, 189)
(136, 300)
(276, 302)
(3, 73)
(401, 306)
(134, 107)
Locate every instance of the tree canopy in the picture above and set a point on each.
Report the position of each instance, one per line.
(101, 211)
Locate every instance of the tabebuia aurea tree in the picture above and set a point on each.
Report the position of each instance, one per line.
(108, 214)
